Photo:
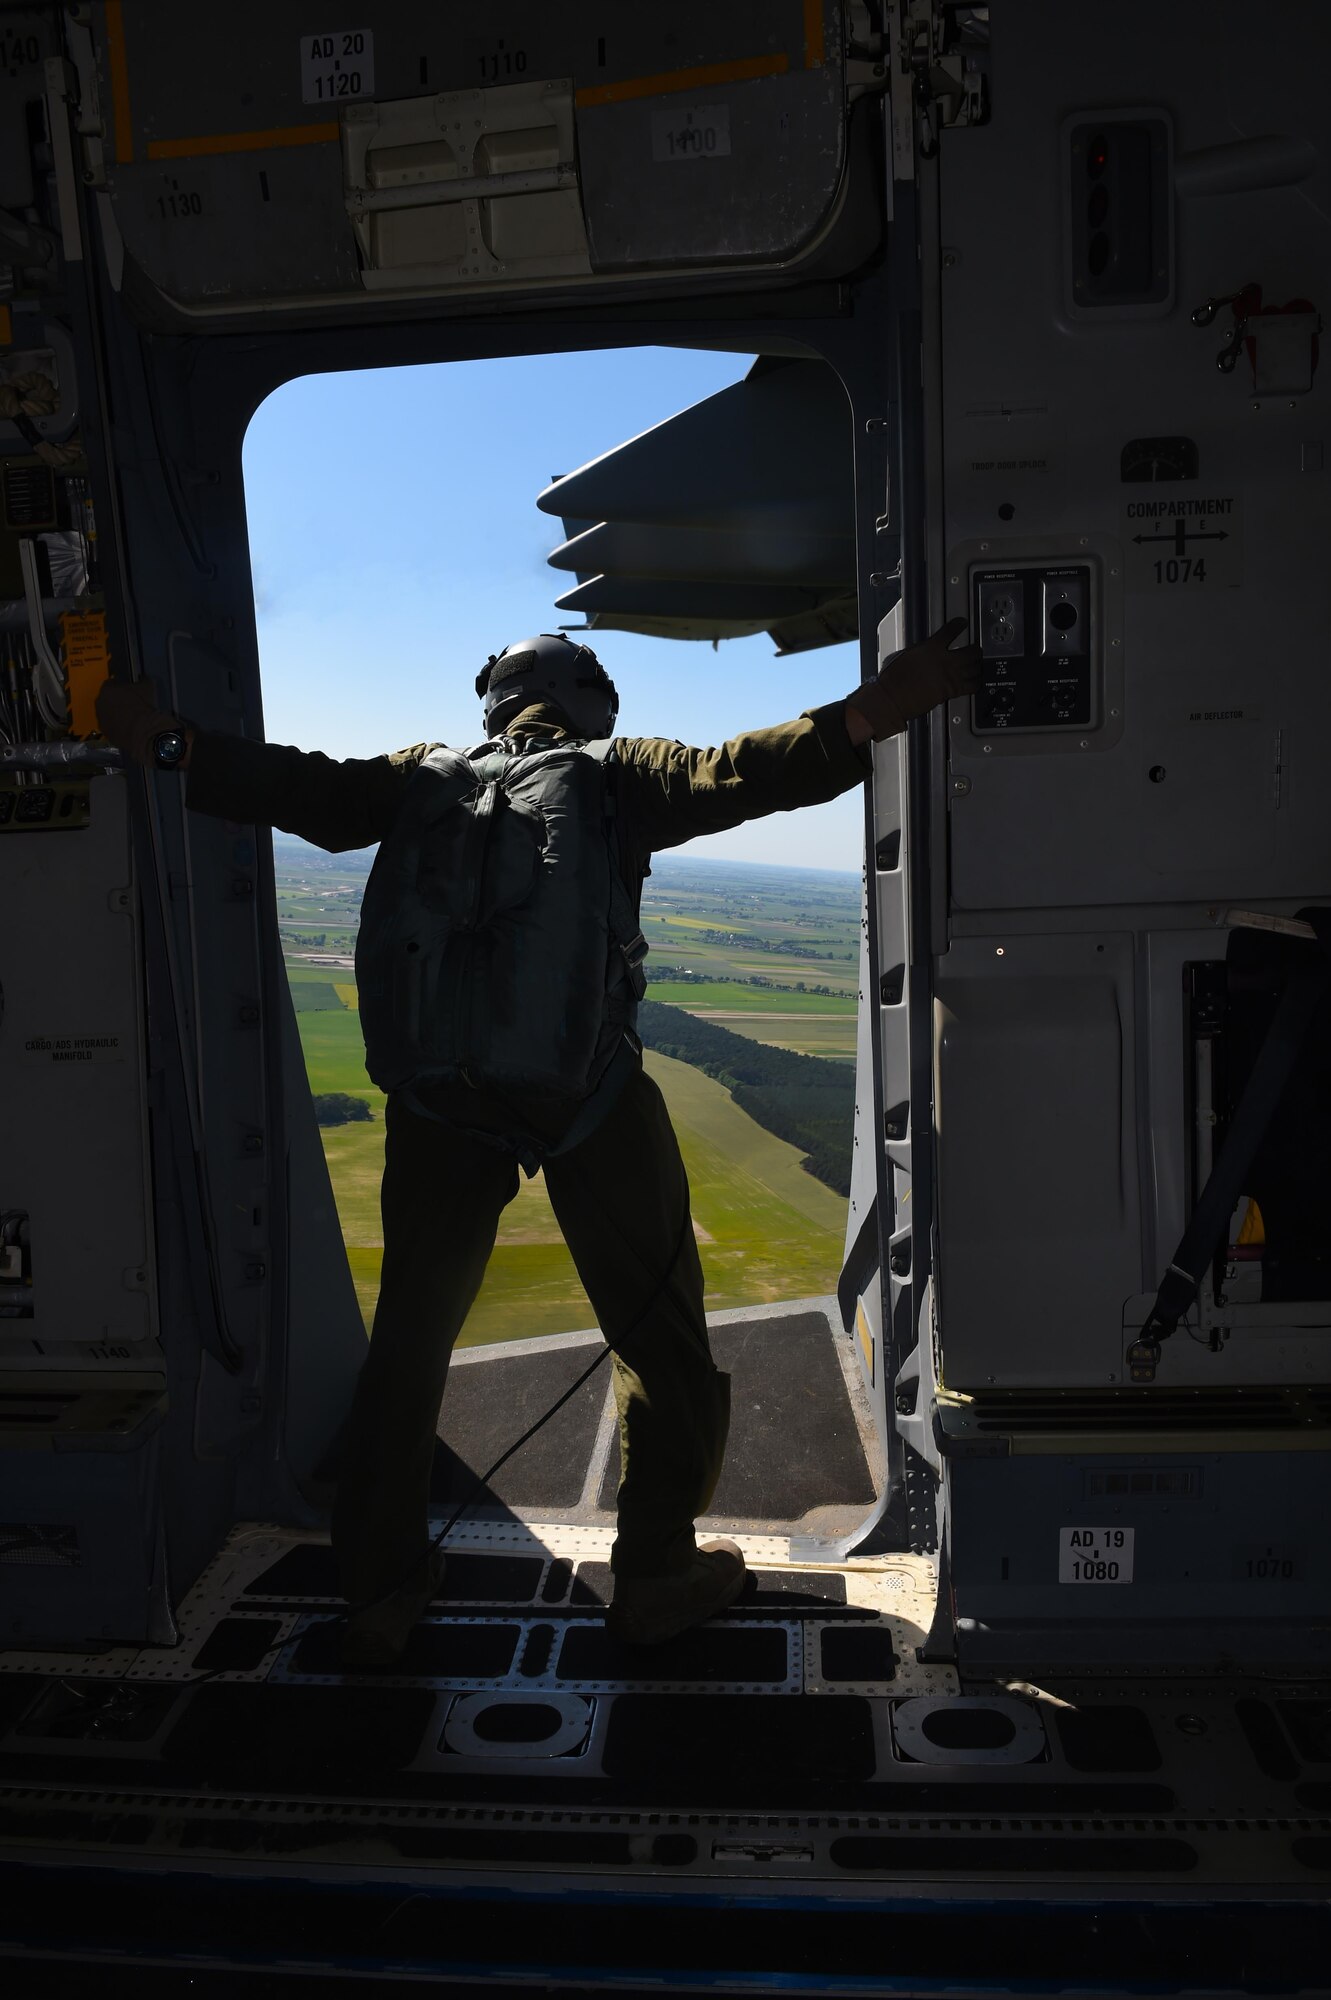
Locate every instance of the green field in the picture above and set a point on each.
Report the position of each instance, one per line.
(334, 1051)
(811, 1035)
(700, 996)
(312, 996)
(767, 1230)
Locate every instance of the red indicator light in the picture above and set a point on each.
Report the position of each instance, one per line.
(1097, 158)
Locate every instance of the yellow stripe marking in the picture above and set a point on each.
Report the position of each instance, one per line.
(671, 80)
(866, 1338)
(243, 142)
(815, 45)
(115, 49)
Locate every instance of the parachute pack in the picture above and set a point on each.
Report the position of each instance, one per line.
(499, 943)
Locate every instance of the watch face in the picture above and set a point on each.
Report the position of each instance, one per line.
(169, 748)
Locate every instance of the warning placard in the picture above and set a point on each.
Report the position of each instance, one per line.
(1182, 536)
(74, 1049)
(87, 664)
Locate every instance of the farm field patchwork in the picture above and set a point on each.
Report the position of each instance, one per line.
(830, 1036)
(767, 1229)
(703, 995)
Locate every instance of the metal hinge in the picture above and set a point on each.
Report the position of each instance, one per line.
(866, 51)
(940, 75)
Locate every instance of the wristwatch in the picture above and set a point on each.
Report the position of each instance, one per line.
(169, 749)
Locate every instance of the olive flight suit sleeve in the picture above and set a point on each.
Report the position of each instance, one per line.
(335, 805)
(676, 793)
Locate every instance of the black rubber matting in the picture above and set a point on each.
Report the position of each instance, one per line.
(310, 1571)
(489, 1404)
(1107, 1739)
(784, 1592)
(753, 1653)
(17, 1692)
(1024, 1854)
(237, 1645)
(851, 1654)
(449, 1652)
(268, 1739)
(90, 1711)
(1309, 1723)
(794, 1444)
(740, 1748)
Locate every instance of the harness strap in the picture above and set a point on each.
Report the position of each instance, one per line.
(625, 928)
(1266, 1083)
(529, 1150)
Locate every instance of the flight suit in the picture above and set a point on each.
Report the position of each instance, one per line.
(620, 1194)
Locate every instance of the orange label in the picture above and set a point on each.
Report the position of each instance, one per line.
(87, 666)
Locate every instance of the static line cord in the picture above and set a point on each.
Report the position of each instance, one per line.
(484, 1478)
(120, 1688)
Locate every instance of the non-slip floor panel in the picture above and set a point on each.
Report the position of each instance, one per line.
(89, 1712)
(849, 1654)
(729, 1653)
(311, 1571)
(515, 1714)
(237, 1645)
(1309, 1725)
(1107, 1739)
(794, 1444)
(742, 1747)
(920, 1854)
(434, 1651)
(490, 1403)
(959, 1791)
(282, 1738)
(783, 1593)
(795, 1591)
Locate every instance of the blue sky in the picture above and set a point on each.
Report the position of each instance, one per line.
(396, 543)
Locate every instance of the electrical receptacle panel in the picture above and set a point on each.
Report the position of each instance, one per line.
(1038, 629)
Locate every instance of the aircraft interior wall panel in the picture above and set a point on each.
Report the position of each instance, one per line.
(642, 204)
(28, 36)
(1212, 788)
(1221, 1535)
(889, 1010)
(865, 1146)
(72, 1141)
(1035, 1110)
(1207, 789)
(235, 190)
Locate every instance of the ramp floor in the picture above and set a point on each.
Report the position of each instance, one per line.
(800, 1737)
(802, 1454)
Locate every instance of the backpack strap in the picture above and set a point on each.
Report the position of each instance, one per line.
(1271, 1071)
(625, 928)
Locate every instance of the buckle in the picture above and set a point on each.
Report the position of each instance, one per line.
(1143, 1358)
(635, 950)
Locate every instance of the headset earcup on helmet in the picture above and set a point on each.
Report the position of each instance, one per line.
(551, 669)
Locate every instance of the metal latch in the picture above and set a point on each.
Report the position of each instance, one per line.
(468, 186)
(940, 75)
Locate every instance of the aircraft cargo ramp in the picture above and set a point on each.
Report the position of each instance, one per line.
(809, 1755)
(802, 1449)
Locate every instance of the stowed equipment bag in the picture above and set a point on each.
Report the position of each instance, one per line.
(498, 941)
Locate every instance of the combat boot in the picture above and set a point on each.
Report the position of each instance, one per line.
(648, 1610)
(376, 1637)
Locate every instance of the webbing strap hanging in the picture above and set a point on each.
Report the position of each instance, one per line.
(625, 928)
(1257, 1107)
(627, 933)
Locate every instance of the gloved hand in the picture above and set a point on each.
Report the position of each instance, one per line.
(911, 683)
(129, 717)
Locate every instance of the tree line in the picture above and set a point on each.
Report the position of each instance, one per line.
(805, 1100)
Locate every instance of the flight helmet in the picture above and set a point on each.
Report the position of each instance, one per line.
(553, 669)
